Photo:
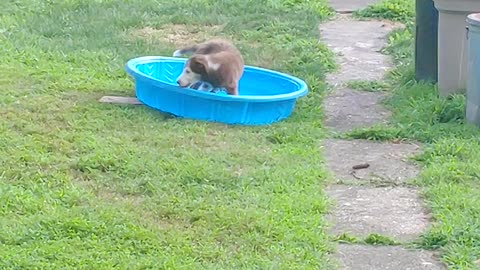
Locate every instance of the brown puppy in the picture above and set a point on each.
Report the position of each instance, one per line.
(217, 62)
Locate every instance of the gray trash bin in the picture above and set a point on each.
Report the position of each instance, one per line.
(473, 75)
(452, 44)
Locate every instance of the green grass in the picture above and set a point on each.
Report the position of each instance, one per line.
(92, 186)
(369, 86)
(371, 239)
(395, 10)
(451, 158)
(376, 239)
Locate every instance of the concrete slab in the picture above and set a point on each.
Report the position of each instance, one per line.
(388, 161)
(347, 6)
(358, 257)
(346, 109)
(394, 212)
(358, 44)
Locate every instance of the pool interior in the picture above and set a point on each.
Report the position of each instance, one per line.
(252, 83)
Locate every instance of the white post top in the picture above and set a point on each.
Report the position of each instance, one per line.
(474, 19)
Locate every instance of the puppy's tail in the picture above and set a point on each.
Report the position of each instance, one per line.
(185, 50)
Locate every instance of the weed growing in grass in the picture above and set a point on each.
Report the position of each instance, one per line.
(376, 133)
(369, 86)
(376, 239)
(396, 10)
(318, 7)
(371, 239)
(346, 238)
(400, 46)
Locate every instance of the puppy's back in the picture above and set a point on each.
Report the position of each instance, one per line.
(216, 46)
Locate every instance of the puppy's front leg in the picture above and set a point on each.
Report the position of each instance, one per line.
(232, 89)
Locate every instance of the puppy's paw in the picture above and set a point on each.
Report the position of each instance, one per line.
(177, 53)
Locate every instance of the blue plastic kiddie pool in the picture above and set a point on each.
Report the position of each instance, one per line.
(265, 96)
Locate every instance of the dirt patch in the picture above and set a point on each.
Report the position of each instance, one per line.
(134, 204)
(177, 34)
(115, 197)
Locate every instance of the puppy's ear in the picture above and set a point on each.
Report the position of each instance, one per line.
(198, 64)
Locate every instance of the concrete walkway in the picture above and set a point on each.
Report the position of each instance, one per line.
(348, 6)
(376, 199)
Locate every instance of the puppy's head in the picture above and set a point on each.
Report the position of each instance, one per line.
(195, 69)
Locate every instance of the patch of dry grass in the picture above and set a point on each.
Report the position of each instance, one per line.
(178, 35)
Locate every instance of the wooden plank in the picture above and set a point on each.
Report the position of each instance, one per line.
(120, 100)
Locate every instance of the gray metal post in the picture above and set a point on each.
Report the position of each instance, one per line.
(426, 52)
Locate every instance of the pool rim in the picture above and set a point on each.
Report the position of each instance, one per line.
(132, 70)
